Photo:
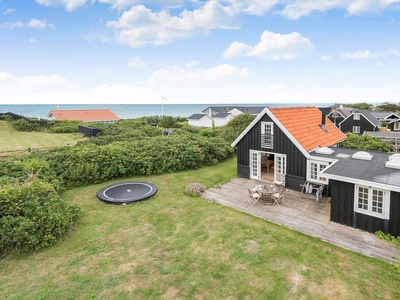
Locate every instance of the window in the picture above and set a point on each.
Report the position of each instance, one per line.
(371, 201)
(356, 129)
(267, 135)
(356, 116)
(314, 169)
(396, 126)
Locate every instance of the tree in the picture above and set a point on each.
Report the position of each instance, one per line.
(388, 107)
(362, 105)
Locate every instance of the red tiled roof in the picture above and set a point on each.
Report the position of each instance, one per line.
(303, 123)
(85, 115)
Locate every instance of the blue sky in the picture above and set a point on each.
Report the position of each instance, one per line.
(221, 51)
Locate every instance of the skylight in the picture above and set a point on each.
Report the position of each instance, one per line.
(362, 155)
(324, 150)
(395, 156)
(394, 164)
(342, 155)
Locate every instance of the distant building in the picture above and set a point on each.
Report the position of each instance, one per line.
(85, 115)
(200, 120)
(221, 115)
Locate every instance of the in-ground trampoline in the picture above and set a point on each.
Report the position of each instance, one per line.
(127, 192)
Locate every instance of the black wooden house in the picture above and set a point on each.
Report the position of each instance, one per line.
(364, 188)
(279, 141)
(297, 145)
(359, 121)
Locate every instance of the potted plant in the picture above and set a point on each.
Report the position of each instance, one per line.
(383, 126)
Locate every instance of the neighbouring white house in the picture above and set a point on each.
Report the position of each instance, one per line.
(221, 115)
(222, 119)
(200, 120)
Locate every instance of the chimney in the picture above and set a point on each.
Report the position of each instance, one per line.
(323, 121)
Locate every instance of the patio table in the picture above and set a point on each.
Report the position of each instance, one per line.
(267, 190)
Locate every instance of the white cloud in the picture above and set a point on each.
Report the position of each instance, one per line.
(28, 81)
(33, 23)
(40, 24)
(299, 8)
(34, 89)
(394, 52)
(273, 46)
(123, 93)
(192, 63)
(184, 77)
(140, 26)
(360, 55)
(127, 3)
(105, 70)
(69, 5)
(9, 10)
(252, 7)
(327, 58)
(136, 62)
(32, 40)
(12, 25)
(366, 54)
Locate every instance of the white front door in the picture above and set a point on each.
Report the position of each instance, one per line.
(280, 168)
(255, 164)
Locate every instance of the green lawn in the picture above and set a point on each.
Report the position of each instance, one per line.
(177, 247)
(13, 140)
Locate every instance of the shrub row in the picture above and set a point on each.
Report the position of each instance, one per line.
(76, 166)
(33, 215)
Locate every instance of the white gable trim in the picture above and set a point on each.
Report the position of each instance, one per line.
(279, 124)
(361, 182)
(360, 113)
(251, 125)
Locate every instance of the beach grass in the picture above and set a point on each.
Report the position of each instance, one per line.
(13, 140)
(173, 246)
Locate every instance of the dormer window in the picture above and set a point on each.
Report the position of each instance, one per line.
(356, 116)
(267, 135)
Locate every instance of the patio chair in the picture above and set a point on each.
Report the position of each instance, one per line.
(279, 197)
(254, 196)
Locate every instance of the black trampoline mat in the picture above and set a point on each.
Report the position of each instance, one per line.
(127, 192)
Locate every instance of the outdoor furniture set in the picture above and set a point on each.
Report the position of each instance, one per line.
(269, 192)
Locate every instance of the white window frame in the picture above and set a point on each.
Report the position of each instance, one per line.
(396, 126)
(369, 203)
(356, 116)
(356, 129)
(265, 127)
(317, 165)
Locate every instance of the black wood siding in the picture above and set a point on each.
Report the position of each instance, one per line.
(365, 125)
(342, 210)
(296, 163)
(342, 202)
(294, 182)
(243, 171)
(394, 217)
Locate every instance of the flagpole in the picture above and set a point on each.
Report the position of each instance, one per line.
(162, 106)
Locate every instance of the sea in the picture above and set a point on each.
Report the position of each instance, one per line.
(132, 111)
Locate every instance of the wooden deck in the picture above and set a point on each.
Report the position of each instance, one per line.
(305, 215)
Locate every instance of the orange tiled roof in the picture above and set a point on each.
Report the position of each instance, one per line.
(303, 123)
(85, 115)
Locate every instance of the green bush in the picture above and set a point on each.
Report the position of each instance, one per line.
(364, 142)
(64, 126)
(33, 215)
(24, 125)
(91, 163)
